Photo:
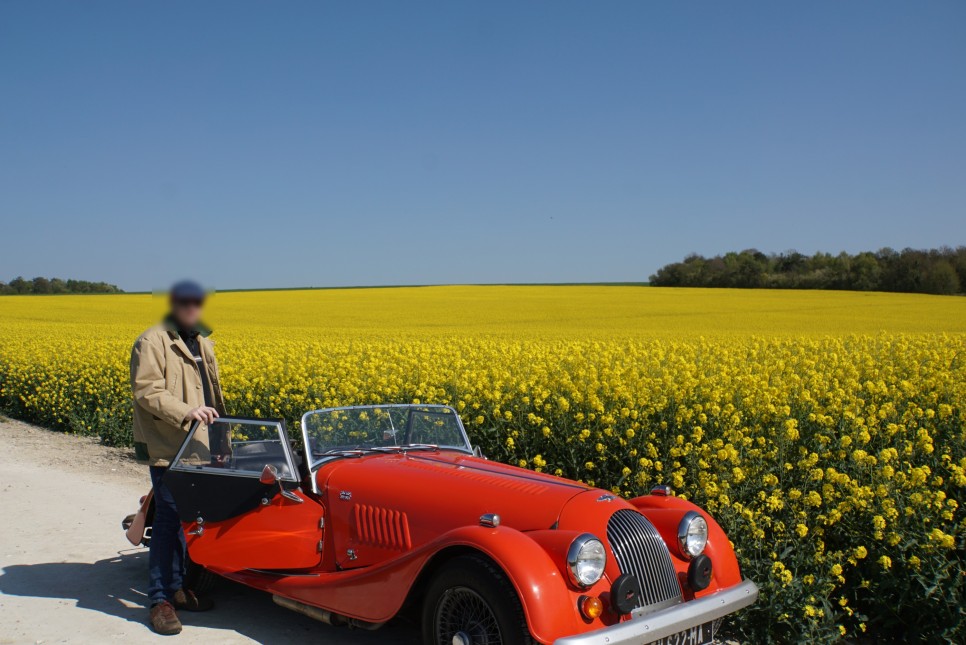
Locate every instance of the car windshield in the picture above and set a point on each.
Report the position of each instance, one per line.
(355, 431)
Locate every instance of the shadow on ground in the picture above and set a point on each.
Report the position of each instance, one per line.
(106, 587)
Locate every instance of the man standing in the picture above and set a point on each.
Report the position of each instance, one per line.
(174, 379)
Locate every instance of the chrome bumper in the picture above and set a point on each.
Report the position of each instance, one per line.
(666, 622)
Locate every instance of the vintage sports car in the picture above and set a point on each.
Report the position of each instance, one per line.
(383, 509)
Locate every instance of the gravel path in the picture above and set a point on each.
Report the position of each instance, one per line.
(67, 575)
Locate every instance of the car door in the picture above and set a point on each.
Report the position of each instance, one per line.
(233, 519)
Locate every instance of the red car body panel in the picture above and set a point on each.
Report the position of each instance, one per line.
(280, 535)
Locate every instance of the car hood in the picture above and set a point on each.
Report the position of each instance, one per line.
(439, 491)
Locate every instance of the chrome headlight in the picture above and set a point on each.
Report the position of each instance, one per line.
(585, 560)
(692, 535)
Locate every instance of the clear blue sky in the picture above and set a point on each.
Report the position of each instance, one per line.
(256, 144)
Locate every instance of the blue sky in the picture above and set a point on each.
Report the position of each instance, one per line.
(254, 144)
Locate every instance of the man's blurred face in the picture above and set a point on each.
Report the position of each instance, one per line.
(187, 313)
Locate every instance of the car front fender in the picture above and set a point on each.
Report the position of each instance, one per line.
(548, 603)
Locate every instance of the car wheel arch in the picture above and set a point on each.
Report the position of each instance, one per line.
(542, 591)
(488, 584)
(436, 562)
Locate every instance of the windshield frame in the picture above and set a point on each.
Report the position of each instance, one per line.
(316, 461)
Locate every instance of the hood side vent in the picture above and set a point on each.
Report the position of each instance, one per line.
(381, 527)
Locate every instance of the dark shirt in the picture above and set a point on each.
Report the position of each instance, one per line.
(190, 338)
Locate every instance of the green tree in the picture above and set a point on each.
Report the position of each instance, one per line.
(940, 270)
(941, 279)
(40, 285)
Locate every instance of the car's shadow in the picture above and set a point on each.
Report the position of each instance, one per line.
(116, 587)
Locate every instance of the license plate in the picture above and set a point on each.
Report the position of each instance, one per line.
(697, 635)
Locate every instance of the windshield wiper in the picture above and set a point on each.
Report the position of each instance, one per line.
(422, 446)
(359, 452)
(354, 452)
(406, 447)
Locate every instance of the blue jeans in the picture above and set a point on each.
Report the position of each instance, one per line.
(167, 549)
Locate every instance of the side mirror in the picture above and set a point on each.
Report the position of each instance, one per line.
(269, 475)
(478, 452)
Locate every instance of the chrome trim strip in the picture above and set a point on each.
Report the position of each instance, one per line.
(282, 573)
(668, 622)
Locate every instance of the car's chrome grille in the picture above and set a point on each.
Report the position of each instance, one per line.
(640, 550)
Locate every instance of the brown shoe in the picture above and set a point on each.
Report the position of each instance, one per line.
(164, 620)
(187, 600)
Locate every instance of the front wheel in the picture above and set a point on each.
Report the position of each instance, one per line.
(471, 602)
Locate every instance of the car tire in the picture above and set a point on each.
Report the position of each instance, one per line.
(464, 589)
(197, 578)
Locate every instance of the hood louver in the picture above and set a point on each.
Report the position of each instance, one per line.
(381, 527)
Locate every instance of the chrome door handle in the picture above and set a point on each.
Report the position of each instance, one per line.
(287, 494)
(198, 531)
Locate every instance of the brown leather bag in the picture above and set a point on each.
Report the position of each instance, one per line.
(134, 525)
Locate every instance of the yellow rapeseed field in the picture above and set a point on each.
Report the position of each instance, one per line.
(824, 430)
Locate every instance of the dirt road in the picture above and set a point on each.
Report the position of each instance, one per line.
(69, 576)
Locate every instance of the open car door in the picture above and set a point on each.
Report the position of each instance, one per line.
(236, 484)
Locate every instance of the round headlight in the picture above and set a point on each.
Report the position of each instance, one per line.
(585, 560)
(692, 535)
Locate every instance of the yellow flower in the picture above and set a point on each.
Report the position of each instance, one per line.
(792, 418)
(942, 539)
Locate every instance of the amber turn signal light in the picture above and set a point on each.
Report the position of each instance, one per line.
(590, 607)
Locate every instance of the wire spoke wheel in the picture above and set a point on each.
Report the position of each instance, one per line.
(463, 617)
(470, 601)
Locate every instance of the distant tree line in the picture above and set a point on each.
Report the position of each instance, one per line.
(939, 271)
(39, 285)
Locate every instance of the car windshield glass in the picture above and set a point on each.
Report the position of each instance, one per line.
(356, 431)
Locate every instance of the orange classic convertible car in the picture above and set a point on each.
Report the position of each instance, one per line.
(381, 509)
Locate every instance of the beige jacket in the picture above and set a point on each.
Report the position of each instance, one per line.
(166, 384)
